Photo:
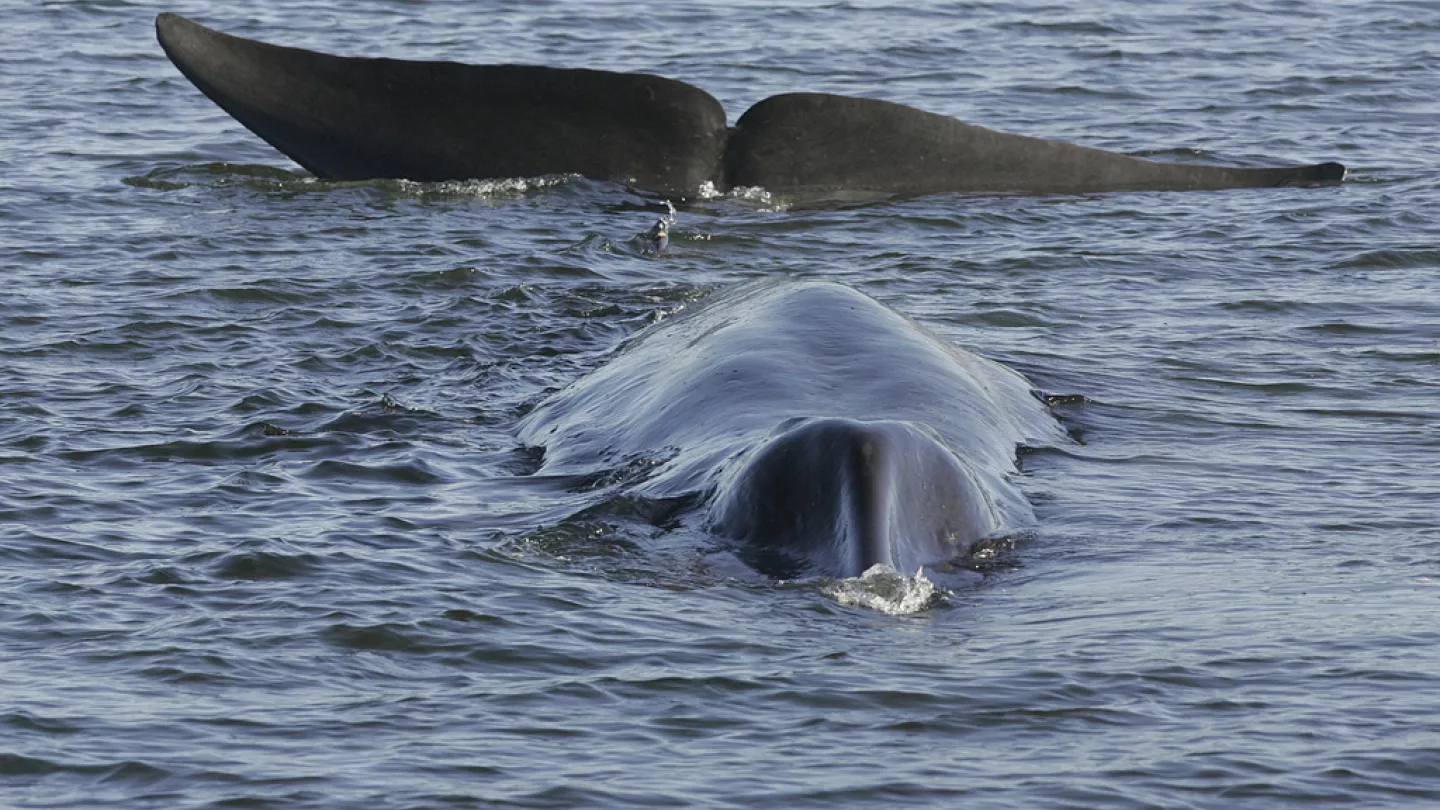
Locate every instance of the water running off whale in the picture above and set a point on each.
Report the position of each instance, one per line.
(359, 118)
(823, 432)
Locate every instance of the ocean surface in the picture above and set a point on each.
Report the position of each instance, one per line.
(268, 536)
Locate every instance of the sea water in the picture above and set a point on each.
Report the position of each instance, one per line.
(268, 538)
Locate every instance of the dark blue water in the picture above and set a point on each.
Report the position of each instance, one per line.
(267, 540)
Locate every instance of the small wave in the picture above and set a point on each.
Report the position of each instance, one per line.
(1065, 27)
(265, 565)
(707, 191)
(754, 195)
(1391, 258)
(174, 178)
(884, 589)
(26, 721)
(270, 178)
(577, 541)
(129, 772)
(1109, 92)
(19, 765)
(499, 187)
(256, 442)
(380, 638)
(1182, 154)
(415, 472)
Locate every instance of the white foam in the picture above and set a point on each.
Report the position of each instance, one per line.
(501, 187)
(884, 589)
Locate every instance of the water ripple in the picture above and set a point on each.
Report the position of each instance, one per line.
(269, 539)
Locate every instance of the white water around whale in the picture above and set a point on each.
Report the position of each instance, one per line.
(884, 589)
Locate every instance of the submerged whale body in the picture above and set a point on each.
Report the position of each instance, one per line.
(824, 432)
(348, 118)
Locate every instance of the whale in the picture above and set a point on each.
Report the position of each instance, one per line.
(353, 118)
(816, 431)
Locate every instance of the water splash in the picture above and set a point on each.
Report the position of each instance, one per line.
(495, 187)
(655, 240)
(884, 589)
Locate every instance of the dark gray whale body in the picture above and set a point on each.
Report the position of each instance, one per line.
(824, 432)
(840, 495)
(358, 118)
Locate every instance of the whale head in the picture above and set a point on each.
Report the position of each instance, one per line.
(833, 497)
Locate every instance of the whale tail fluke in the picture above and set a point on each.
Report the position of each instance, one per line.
(818, 141)
(346, 118)
(1330, 172)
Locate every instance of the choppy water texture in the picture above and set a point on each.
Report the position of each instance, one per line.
(267, 539)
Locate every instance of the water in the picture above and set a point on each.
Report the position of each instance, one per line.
(267, 539)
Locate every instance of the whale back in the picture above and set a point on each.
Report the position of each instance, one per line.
(726, 373)
(699, 397)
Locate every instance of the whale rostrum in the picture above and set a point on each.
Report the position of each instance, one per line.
(350, 118)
